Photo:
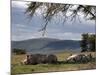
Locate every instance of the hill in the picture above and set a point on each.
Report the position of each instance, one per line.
(46, 44)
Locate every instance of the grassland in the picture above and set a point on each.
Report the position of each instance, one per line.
(17, 68)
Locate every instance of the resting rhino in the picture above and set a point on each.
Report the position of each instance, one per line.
(33, 59)
(79, 58)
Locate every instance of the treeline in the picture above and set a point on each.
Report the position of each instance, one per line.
(19, 51)
(88, 42)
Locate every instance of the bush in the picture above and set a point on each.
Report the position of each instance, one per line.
(19, 51)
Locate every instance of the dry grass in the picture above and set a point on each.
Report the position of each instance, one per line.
(16, 59)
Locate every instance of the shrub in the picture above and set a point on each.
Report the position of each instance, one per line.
(19, 51)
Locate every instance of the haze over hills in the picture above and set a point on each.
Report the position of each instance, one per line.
(46, 44)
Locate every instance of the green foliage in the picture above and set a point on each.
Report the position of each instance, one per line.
(88, 42)
(84, 42)
(19, 51)
(52, 9)
(92, 41)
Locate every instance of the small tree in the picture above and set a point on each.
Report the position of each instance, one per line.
(84, 42)
(88, 42)
(92, 42)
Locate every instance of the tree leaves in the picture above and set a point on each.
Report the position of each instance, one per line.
(53, 9)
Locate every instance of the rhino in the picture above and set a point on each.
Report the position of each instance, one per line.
(81, 58)
(32, 59)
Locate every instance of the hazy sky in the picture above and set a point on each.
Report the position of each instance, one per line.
(23, 28)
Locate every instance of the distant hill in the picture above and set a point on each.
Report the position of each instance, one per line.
(46, 44)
